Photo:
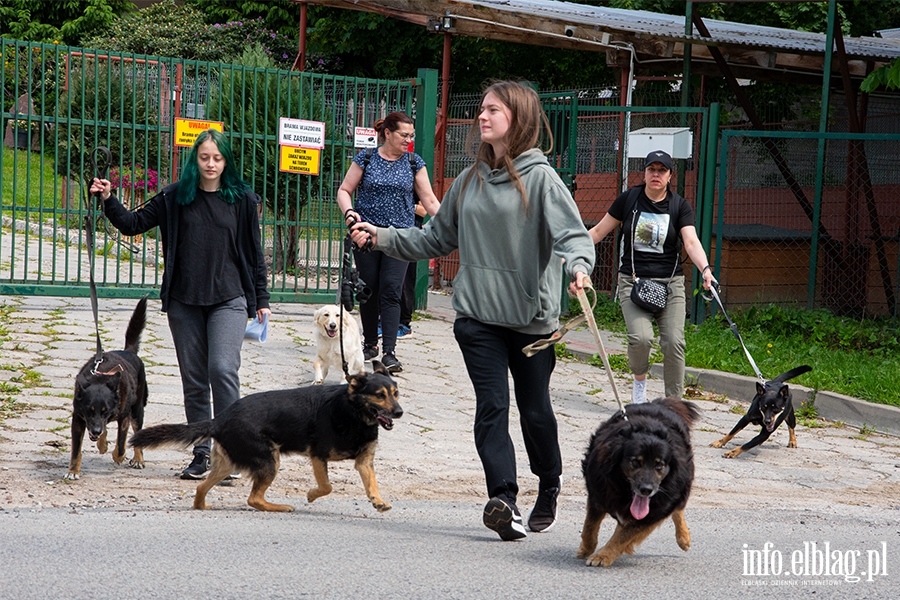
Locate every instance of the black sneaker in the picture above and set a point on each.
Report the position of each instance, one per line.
(198, 467)
(543, 515)
(391, 363)
(503, 517)
(370, 352)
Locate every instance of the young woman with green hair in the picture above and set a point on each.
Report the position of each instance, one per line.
(214, 277)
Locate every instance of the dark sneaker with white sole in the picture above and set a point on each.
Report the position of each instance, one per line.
(503, 516)
(370, 352)
(543, 515)
(198, 467)
(391, 363)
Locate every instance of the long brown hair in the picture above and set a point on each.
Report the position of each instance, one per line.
(527, 129)
(392, 123)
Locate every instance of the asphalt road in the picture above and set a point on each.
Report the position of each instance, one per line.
(425, 549)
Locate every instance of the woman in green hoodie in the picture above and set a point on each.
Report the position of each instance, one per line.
(513, 221)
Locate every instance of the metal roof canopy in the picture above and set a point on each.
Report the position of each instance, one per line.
(658, 40)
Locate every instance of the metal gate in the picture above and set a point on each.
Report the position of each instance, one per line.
(61, 102)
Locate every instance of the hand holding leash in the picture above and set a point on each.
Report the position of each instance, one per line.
(101, 159)
(362, 234)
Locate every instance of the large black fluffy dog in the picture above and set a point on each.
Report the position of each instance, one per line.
(332, 422)
(640, 471)
(771, 406)
(113, 390)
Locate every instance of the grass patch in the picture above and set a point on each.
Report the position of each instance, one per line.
(10, 408)
(852, 357)
(28, 181)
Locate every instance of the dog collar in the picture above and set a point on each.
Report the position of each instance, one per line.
(116, 369)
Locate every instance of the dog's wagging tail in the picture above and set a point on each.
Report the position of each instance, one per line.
(324, 422)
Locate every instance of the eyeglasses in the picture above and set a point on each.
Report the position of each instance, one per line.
(406, 136)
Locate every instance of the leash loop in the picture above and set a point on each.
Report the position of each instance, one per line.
(587, 314)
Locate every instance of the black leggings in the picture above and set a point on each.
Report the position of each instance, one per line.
(491, 353)
(384, 276)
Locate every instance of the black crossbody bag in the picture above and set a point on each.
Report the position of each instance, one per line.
(648, 294)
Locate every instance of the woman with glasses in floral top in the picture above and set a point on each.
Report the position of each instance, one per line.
(384, 184)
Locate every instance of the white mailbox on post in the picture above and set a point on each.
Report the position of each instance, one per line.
(676, 141)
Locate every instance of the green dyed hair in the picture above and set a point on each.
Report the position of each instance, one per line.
(231, 187)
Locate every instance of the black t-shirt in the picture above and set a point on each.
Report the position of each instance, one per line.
(207, 270)
(658, 233)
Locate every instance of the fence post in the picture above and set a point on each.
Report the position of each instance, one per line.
(426, 123)
(705, 206)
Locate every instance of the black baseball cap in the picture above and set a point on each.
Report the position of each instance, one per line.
(658, 156)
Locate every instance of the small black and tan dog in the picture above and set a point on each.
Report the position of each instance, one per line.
(115, 389)
(640, 471)
(325, 423)
(771, 406)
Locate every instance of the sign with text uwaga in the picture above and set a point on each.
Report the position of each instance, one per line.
(301, 145)
(187, 130)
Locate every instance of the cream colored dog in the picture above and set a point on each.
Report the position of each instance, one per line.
(328, 339)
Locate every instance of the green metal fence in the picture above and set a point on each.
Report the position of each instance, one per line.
(792, 228)
(61, 102)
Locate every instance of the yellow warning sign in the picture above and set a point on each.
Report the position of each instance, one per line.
(187, 130)
(300, 160)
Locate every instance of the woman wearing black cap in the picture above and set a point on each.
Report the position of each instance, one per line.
(656, 222)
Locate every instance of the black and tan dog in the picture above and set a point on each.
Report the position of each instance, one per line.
(326, 423)
(115, 389)
(770, 407)
(640, 471)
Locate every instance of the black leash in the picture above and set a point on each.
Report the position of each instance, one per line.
(101, 168)
(346, 265)
(715, 292)
(350, 288)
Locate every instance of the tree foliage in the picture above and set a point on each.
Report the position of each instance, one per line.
(98, 109)
(55, 21)
(169, 29)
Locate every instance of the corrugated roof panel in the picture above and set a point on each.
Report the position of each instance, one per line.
(671, 27)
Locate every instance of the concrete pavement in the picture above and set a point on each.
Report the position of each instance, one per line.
(429, 455)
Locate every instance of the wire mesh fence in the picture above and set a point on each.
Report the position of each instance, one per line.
(794, 230)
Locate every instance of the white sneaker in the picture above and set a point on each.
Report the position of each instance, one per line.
(638, 392)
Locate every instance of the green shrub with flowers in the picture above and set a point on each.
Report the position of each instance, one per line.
(134, 178)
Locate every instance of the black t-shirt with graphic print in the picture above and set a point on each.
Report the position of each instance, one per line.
(658, 242)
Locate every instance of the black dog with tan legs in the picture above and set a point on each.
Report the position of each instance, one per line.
(640, 471)
(325, 423)
(771, 406)
(113, 389)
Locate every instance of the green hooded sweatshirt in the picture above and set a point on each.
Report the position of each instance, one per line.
(508, 274)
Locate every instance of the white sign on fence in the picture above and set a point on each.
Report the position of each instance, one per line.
(300, 133)
(365, 137)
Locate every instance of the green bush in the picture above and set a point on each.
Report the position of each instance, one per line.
(168, 29)
(99, 109)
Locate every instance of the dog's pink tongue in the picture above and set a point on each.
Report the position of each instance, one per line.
(640, 507)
